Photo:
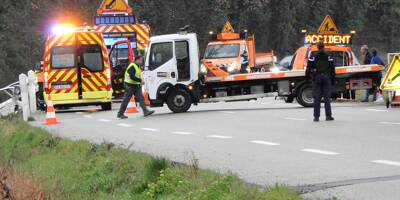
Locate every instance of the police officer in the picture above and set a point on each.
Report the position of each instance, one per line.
(132, 85)
(321, 69)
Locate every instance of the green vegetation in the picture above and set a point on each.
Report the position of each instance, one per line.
(67, 169)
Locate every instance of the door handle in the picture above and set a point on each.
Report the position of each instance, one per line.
(87, 76)
(173, 74)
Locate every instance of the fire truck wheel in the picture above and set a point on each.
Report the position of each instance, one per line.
(106, 106)
(305, 96)
(179, 101)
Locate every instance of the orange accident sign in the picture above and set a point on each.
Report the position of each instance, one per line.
(114, 7)
(228, 28)
(391, 81)
(328, 26)
(345, 39)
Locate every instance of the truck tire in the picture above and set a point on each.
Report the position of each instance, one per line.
(304, 96)
(179, 101)
(106, 106)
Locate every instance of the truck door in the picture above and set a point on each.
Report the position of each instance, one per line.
(161, 67)
(120, 56)
(93, 78)
(62, 74)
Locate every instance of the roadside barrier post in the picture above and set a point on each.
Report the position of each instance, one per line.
(23, 82)
(32, 85)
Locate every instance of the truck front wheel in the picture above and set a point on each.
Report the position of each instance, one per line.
(179, 101)
(305, 96)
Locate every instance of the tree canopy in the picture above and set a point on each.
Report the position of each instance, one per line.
(276, 23)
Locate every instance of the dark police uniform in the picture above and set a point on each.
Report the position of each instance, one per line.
(321, 70)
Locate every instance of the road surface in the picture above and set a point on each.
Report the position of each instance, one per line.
(264, 142)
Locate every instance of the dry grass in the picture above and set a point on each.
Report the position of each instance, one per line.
(14, 186)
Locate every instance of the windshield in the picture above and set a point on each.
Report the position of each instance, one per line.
(62, 57)
(340, 58)
(222, 51)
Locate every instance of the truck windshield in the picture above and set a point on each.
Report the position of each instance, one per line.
(62, 57)
(222, 51)
(340, 58)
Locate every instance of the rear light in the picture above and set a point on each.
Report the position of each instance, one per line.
(46, 84)
(108, 74)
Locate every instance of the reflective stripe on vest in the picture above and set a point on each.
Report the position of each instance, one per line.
(138, 74)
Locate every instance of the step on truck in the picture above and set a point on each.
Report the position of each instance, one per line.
(172, 76)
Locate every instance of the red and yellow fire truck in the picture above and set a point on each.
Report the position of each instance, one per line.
(77, 69)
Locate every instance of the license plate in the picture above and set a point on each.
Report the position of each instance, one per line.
(61, 86)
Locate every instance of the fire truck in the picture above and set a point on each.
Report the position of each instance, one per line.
(116, 22)
(172, 73)
(226, 51)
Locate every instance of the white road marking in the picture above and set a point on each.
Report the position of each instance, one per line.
(387, 162)
(227, 112)
(181, 133)
(124, 125)
(377, 110)
(219, 136)
(87, 116)
(264, 143)
(79, 113)
(390, 123)
(104, 120)
(318, 151)
(149, 129)
(295, 119)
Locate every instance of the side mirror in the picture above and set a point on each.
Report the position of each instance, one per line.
(38, 67)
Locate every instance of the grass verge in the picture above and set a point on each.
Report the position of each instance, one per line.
(65, 169)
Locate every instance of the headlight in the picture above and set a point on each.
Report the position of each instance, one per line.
(232, 67)
(203, 69)
(275, 69)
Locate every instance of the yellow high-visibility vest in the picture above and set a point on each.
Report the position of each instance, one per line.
(138, 74)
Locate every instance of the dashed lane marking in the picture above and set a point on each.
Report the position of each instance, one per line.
(377, 110)
(219, 136)
(87, 116)
(104, 120)
(181, 133)
(318, 151)
(149, 129)
(387, 162)
(295, 119)
(124, 125)
(227, 112)
(79, 113)
(390, 123)
(264, 143)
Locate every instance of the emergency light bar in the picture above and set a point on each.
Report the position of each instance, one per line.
(335, 39)
(115, 20)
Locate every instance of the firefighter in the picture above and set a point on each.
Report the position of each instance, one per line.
(321, 69)
(132, 85)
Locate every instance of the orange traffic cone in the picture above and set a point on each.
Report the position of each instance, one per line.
(146, 98)
(132, 106)
(51, 113)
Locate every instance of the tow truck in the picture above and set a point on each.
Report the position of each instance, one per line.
(223, 54)
(172, 74)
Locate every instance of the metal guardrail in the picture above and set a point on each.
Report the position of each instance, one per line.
(13, 91)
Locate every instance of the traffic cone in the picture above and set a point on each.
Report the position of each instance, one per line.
(146, 98)
(51, 113)
(132, 106)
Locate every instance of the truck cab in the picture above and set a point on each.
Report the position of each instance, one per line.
(227, 50)
(172, 67)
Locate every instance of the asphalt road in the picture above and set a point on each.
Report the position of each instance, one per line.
(264, 142)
